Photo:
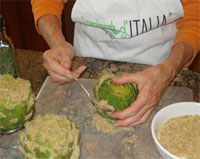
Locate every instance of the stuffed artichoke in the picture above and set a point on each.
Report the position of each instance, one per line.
(50, 137)
(16, 102)
(113, 96)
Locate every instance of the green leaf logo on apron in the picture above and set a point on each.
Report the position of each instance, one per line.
(129, 26)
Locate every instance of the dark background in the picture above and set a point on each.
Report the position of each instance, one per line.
(21, 29)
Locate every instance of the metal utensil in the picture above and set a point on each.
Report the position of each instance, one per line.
(86, 91)
(9, 147)
(8, 132)
(92, 100)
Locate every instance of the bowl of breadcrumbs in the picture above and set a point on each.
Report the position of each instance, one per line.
(176, 131)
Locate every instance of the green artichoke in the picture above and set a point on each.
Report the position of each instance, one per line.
(50, 137)
(16, 102)
(113, 96)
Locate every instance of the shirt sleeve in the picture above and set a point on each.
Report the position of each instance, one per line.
(44, 7)
(189, 26)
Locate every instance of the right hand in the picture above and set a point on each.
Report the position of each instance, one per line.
(58, 61)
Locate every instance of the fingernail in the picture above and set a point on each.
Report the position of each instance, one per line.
(84, 67)
(69, 75)
(115, 79)
(116, 124)
(113, 115)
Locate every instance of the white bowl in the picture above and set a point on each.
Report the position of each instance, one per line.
(171, 111)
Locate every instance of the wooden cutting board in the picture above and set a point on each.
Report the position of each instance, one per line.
(54, 98)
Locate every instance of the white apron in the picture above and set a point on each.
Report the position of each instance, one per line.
(137, 31)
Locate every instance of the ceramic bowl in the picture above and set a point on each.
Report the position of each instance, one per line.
(171, 111)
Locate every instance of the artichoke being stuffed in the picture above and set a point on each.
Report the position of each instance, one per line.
(50, 137)
(16, 102)
(114, 96)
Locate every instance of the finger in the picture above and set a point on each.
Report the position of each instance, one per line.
(52, 60)
(58, 79)
(126, 78)
(131, 121)
(54, 66)
(79, 71)
(133, 109)
(150, 105)
(125, 122)
(144, 118)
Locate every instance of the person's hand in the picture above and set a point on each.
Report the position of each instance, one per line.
(152, 83)
(58, 61)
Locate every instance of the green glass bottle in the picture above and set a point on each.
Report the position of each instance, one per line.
(8, 62)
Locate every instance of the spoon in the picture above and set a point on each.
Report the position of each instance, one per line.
(9, 147)
(92, 100)
(8, 132)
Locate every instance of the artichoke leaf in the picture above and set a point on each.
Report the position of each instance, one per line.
(113, 96)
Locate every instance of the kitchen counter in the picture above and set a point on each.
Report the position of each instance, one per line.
(95, 142)
(30, 67)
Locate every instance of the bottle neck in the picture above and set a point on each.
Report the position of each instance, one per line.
(3, 35)
(4, 38)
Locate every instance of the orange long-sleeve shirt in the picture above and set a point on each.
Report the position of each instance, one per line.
(188, 26)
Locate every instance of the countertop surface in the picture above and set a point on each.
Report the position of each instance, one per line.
(30, 66)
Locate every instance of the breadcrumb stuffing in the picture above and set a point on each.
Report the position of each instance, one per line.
(106, 125)
(181, 136)
(128, 142)
(52, 134)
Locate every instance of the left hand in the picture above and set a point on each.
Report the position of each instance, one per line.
(152, 82)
